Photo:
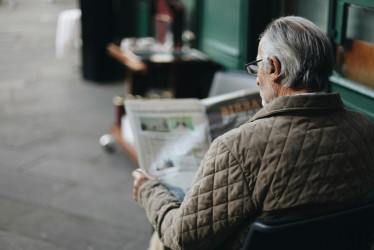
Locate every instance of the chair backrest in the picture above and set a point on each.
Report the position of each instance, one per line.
(228, 81)
(349, 229)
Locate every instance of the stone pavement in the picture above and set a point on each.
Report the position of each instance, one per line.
(58, 188)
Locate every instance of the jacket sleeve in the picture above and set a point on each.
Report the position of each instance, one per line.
(216, 205)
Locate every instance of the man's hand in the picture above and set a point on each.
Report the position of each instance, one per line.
(140, 176)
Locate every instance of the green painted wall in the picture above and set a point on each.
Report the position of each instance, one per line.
(143, 18)
(356, 97)
(221, 35)
(229, 29)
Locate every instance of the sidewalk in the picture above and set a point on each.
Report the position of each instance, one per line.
(58, 188)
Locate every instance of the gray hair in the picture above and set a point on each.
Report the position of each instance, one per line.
(304, 51)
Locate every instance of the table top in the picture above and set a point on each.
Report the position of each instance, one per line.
(139, 59)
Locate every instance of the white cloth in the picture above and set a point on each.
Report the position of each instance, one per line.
(68, 33)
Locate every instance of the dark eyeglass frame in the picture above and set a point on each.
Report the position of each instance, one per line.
(252, 67)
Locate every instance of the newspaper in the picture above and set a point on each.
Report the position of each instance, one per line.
(171, 136)
(230, 110)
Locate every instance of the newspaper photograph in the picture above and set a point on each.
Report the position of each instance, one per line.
(229, 111)
(171, 138)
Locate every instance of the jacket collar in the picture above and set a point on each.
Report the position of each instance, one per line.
(288, 104)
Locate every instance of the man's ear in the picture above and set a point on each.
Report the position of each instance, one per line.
(275, 68)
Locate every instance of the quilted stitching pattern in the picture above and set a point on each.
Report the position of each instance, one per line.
(268, 165)
(314, 171)
(217, 199)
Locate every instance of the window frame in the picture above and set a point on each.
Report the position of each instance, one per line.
(354, 95)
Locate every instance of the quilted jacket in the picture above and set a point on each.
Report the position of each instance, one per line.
(299, 155)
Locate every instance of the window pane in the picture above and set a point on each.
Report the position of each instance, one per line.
(360, 23)
(314, 10)
(355, 59)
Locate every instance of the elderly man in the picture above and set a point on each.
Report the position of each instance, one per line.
(302, 154)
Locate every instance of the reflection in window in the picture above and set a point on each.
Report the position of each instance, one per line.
(360, 23)
(355, 58)
(313, 10)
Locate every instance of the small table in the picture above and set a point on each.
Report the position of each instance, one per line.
(184, 74)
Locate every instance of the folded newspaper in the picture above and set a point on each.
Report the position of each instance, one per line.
(171, 136)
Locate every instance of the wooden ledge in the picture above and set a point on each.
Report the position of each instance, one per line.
(127, 58)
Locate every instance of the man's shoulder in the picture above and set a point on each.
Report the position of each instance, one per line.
(359, 122)
(246, 131)
(357, 115)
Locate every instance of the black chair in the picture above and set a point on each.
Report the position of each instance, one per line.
(351, 229)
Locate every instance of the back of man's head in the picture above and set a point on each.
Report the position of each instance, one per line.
(304, 51)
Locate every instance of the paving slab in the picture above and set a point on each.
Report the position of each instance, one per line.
(10, 241)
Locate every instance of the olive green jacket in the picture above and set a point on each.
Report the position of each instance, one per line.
(299, 155)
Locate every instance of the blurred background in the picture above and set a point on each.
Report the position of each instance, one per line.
(63, 61)
(58, 188)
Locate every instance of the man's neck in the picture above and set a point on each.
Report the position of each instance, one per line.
(287, 91)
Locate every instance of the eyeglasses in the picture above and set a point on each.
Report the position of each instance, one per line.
(252, 67)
